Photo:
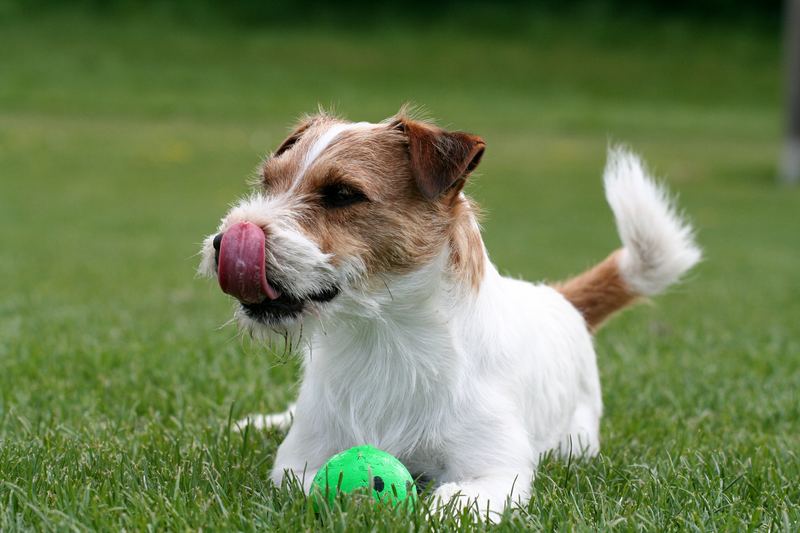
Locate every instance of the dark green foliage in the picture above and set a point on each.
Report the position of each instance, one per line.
(480, 13)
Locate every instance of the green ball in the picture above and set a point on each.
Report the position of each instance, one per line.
(364, 468)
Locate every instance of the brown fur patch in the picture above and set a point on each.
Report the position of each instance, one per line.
(440, 160)
(396, 229)
(280, 169)
(598, 292)
(466, 245)
(400, 226)
(293, 137)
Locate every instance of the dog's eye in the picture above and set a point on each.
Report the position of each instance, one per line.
(341, 195)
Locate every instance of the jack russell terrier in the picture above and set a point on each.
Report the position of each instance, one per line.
(360, 248)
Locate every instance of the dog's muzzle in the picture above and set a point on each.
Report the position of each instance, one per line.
(240, 256)
(241, 266)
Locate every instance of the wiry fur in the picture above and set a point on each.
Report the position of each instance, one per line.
(599, 292)
(658, 247)
(429, 353)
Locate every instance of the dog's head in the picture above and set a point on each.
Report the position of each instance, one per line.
(339, 208)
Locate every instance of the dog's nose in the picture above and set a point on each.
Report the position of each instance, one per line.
(217, 241)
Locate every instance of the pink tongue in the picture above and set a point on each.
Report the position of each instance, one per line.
(241, 268)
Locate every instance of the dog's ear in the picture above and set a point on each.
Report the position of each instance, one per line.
(293, 137)
(440, 160)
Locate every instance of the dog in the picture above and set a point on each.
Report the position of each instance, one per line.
(359, 248)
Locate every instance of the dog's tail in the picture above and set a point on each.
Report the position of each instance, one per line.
(657, 244)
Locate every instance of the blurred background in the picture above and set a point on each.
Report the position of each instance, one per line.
(128, 127)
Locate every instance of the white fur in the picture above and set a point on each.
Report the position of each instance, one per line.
(280, 421)
(322, 143)
(658, 246)
(468, 388)
(293, 260)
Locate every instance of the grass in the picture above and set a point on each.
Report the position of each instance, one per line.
(122, 141)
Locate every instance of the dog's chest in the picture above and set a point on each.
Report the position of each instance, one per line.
(392, 389)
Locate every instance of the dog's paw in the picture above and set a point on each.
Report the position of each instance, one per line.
(279, 421)
(453, 498)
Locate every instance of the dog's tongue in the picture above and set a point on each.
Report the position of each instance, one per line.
(241, 268)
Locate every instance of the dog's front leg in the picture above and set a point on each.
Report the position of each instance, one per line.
(280, 421)
(487, 472)
(302, 476)
(485, 496)
(300, 455)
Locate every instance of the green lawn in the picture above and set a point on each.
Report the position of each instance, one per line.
(122, 142)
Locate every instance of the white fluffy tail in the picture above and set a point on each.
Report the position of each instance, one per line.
(658, 245)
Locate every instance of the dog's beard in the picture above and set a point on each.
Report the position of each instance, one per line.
(312, 284)
(284, 336)
(324, 294)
